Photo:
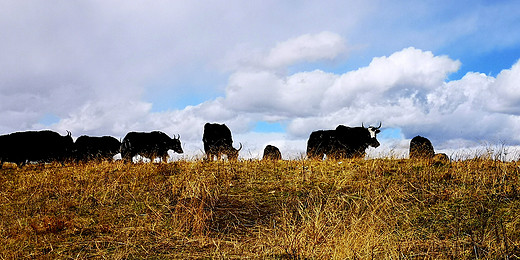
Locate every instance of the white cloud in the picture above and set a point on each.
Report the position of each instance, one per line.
(405, 73)
(95, 117)
(253, 91)
(264, 89)
(306, 48)
(507, 91)
(303, 92)
(277, 95)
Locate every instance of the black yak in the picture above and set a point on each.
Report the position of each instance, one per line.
(343, 142)
(218, 141)
(149, 145)
(35, 146)
(272, 153)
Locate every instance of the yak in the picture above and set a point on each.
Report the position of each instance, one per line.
(35, 146)
(272, 153)
(95, 148)
(149, 145)
(342, 142)
(218, 141)
(421, 148)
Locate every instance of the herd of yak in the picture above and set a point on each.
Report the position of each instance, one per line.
(48, 146)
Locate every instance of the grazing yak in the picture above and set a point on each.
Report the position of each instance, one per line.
(95, 148)
(35, 146)
(343, 142)
(218, 141)
(149, 145)
(422, 148)
(272, 153)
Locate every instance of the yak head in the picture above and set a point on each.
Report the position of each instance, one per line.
(68, 142)
(373, 131)
(175, 144)
(232, 153)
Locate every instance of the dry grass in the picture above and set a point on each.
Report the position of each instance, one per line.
(353, 209)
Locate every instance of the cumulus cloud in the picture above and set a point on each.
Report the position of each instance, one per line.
(507, 91)
(406, 73)
(408, 90)
(388, 85)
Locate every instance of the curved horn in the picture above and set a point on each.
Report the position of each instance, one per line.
(68, 133)
(179, 137)
(379, 125)
(238, 150)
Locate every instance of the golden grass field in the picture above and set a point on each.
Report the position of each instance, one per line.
(300, 209)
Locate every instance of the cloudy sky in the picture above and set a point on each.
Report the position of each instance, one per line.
(273, 71)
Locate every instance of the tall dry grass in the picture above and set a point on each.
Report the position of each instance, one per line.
(352, 209)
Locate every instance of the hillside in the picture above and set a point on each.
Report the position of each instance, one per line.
(352, 209)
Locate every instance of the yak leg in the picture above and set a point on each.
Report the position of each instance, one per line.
(314, 155)
(209, 156)
(20, 164)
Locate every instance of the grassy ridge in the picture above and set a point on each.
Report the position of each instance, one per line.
(353, 209)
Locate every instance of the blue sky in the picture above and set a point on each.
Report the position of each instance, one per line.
(273, 71)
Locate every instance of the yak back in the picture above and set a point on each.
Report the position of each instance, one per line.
(217, 135)
(421, 148)
(272, 152)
